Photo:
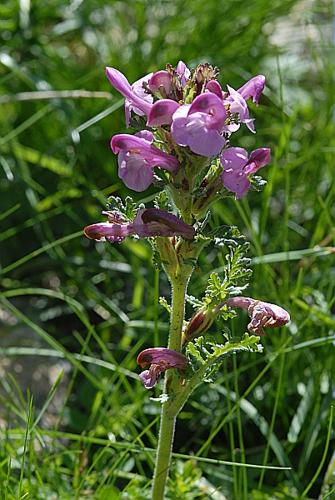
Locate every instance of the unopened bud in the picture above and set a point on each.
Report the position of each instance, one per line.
(200, 322)
(204, 73)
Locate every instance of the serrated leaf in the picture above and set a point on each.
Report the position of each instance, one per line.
(190, 299)
(210, 354)
(162, 201)
(258, 183)
(230, 234)
(193, 351)
(162, 398)
(126, 208)
(236, 272)
(163, 302)
(248, 343)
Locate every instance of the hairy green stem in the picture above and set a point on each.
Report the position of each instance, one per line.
(179, 287)
(164, 451)
(172, 388)
(177, 398)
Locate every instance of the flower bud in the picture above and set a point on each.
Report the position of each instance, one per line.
(200, 322)
(204, 73)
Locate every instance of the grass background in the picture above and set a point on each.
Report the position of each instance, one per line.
(75, 422)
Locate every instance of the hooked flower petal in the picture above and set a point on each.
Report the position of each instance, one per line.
(199, 125)
(149, 222)
(237, 167)
(253, 88)
(262, 314)
(159, 359)
(137, 157)
(136, 98)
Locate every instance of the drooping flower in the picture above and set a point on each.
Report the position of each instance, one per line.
(200, 125)
(262, 314)
(137, 157)
(148, 222)
(253, 88)
(237, 167)
(159, 359)
(137, 99)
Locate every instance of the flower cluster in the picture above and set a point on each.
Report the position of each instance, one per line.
(184, 123)
(196, 114)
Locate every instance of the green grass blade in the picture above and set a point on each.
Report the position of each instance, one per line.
(324, 455)
(39, 251)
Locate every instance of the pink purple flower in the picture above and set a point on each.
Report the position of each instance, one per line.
(161, 83)
(200, 125)
(148, 222)
(137, 157)
(183, 72)
(238, 106)
(162, 112)
(215, 87)
(238, 166)
(159, 359)
(262, 314)
(137, 99)
(253, 88)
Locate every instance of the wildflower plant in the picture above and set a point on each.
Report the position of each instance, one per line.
(183, 143)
